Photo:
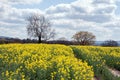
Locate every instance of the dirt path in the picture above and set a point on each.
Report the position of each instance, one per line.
(96, 78)
(115, 72)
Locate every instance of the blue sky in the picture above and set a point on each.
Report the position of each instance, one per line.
(101, 17)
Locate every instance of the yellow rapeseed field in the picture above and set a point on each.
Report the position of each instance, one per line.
(41, 62)
(57, 62)
(101, 58)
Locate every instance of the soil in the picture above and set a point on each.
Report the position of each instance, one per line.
(115, 72)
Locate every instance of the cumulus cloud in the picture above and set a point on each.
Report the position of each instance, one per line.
(12, 20)
(96, 16)
(83, 9)
(86, 15)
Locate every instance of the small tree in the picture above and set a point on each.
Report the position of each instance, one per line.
(84, 38)
(110, 43)
(40, 27)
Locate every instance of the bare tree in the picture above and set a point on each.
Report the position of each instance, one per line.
(84, 38)
(110, 43)
(40, 27)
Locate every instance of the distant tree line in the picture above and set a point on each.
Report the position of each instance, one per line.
(16, 40)
(107, 43)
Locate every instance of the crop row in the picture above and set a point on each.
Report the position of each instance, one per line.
(100, 58)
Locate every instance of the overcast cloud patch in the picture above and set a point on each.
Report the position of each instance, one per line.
(97, 16)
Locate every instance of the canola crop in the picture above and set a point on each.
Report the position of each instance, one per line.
(91, 57)
(41, 62)
(110, 55)
(99, 57)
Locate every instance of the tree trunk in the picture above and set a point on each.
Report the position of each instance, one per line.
(39, 39)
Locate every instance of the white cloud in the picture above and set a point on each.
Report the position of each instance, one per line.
(104, 1)
(86, 15)
(96, 16)
(83, 9)
(12, 20)
(15, 33)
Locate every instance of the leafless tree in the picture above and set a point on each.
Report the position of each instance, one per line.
(40, 27)
(84, 38)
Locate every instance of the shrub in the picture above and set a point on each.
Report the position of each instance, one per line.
(110, 43)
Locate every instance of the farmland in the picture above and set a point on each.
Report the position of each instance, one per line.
(57, 62)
